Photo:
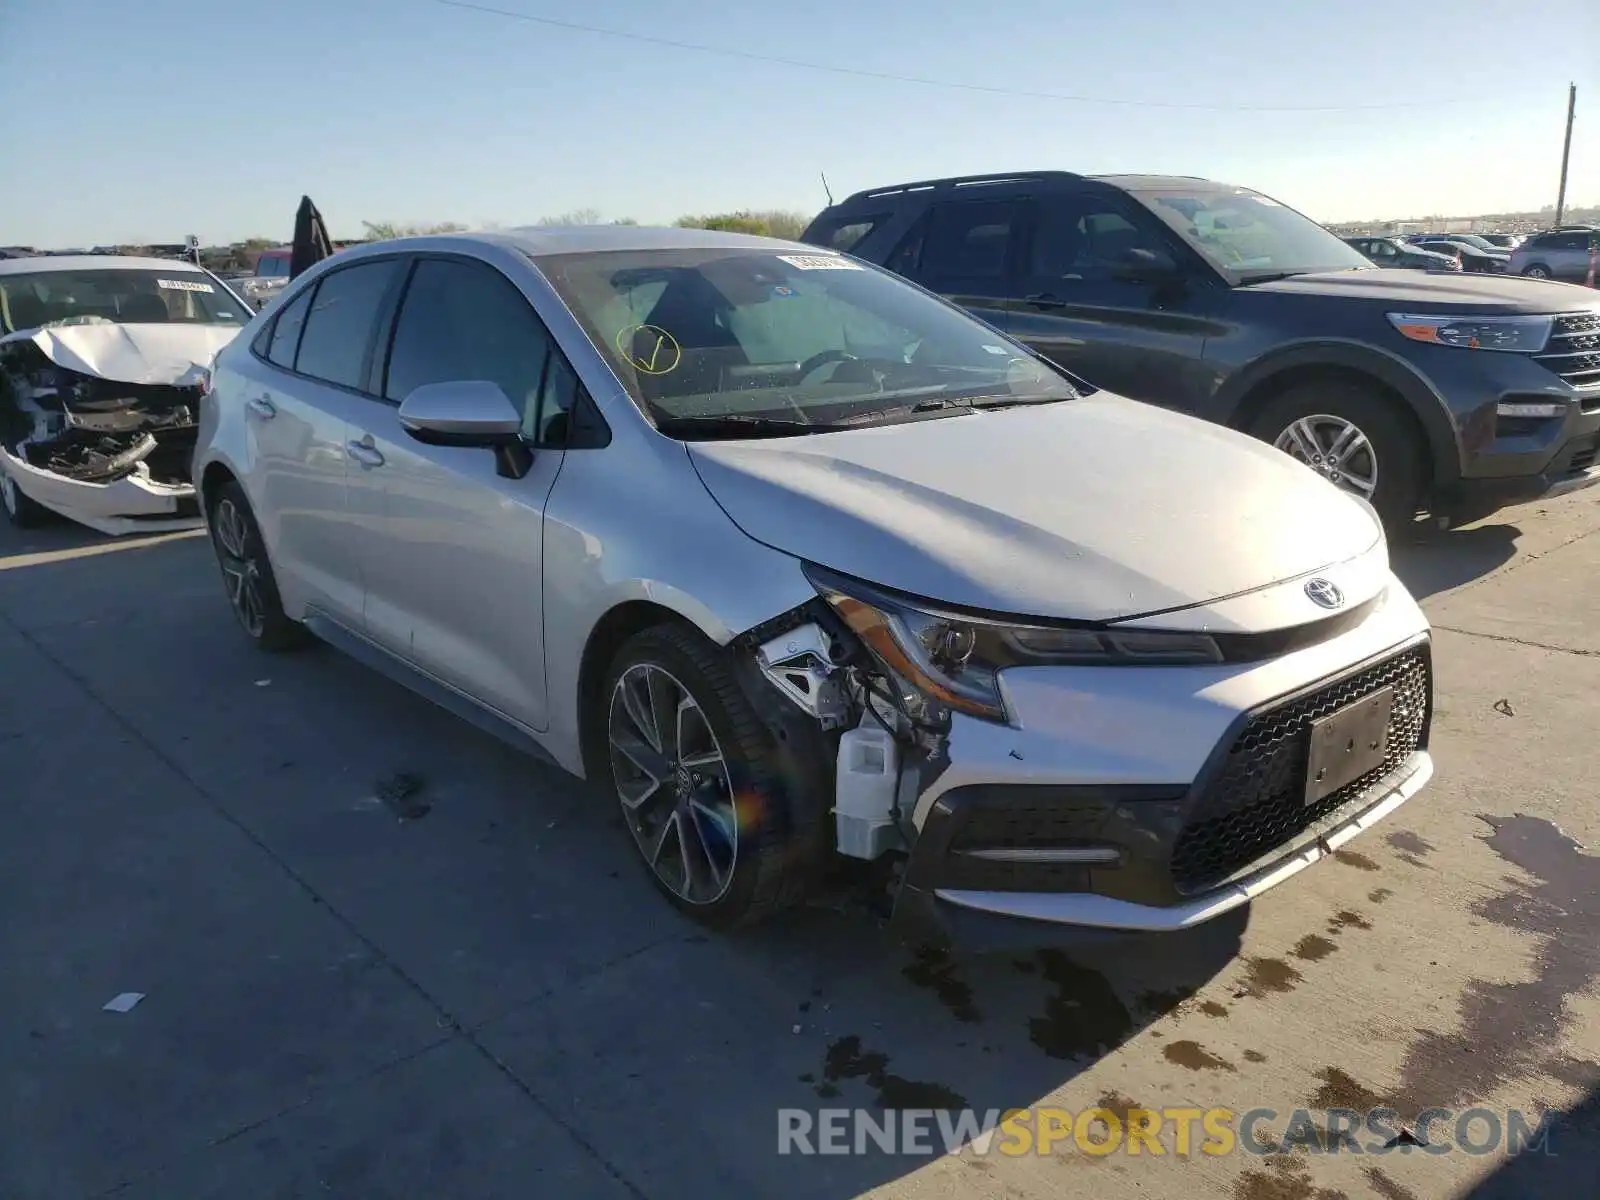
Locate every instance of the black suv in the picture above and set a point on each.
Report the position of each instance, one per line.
(1449, 392)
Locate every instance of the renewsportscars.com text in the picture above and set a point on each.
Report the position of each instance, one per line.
(1158, 1131)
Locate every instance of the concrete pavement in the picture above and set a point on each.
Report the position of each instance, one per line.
(471, 991)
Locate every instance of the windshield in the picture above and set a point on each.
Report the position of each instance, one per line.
(115, 297)
(1473, 239)
(749, 339)
(1249, 237)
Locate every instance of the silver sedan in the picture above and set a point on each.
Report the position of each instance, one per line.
(794, 559)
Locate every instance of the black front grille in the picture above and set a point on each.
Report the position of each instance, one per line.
(1254, 800)
(1573, 351)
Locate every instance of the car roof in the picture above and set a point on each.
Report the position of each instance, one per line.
(537, 241)
(93, 262)
(1157, 183)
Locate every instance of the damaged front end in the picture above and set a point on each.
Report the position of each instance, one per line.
(834, 702)
(106, 453)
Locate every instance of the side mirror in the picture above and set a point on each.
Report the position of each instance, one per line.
(470, 412)
(1141, 265)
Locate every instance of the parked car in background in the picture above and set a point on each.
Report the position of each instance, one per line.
(1561, 254)
(1406, 387)
(1473, 257)
(269, 278)
(795, 559)
(1392, 252)
(103, 361)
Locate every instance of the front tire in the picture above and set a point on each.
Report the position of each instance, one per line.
(1354, 437)
(1537, 271)
(247, 577)
(701, 782)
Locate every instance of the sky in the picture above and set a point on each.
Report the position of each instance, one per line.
(132, 122)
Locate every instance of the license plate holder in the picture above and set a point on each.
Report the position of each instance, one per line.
(1347, 744)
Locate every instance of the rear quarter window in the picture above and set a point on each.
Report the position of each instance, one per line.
(843, 234)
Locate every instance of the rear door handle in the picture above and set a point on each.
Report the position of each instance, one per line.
(262, 407)
(364, 452)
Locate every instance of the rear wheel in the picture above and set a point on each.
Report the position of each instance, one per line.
(1355, 438)
(21, 509)
(1537, 271)
(247, 575)
(701, 782)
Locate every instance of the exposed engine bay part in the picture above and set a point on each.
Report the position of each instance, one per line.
(98, 458)
(890, 736)
(802, 664)
(98, 421)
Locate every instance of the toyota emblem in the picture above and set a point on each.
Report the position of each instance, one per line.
(1324, 593)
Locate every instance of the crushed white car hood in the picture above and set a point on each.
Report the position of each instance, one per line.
(1095, 509)
(158, 354)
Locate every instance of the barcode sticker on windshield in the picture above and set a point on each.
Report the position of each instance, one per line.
(819, 262)
(183, 285)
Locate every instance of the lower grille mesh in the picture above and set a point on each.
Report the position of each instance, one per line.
(1255, 801)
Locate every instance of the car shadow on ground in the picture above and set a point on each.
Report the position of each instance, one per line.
(506, 897)
(1566, 1164)
(1432, 561)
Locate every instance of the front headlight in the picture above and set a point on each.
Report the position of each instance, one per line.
(1523, 334)
(954, 659)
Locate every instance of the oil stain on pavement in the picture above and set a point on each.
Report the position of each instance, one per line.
(1508, 1029)
(1264, 976)
(1286, 1179)
(846, 1059)
(933, 969)
(1195, 1057)
(1314, 947)
(1360, 861)
(1411, 846)
(1084, 1017)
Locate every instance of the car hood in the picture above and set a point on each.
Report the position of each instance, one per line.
(1465, 293)
(156, 354)
(1097, 509)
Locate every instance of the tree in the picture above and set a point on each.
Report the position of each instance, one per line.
(577, 216)
(766, 223)
(383, 231)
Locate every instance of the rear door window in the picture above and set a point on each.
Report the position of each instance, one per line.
(340, 324)
(967, 243)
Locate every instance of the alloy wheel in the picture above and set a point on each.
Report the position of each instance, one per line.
(1334, 448)
(241, 573)
(673, 784)
(1538, 273)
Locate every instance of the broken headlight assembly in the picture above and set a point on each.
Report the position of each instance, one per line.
(954, 659)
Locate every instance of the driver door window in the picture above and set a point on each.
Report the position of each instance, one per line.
(1078, 241)
(465, 321)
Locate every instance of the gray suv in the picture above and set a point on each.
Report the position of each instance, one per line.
(1557, 254)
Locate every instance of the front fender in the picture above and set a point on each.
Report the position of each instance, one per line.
(1425, 402)
(640, 526)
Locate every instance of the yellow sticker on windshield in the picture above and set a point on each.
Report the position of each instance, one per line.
(650, 349)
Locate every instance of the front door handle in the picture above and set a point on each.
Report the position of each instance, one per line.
(262, 407)
(364, 452)
(1044, 300)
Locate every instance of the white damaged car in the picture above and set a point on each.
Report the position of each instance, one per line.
(103, 361)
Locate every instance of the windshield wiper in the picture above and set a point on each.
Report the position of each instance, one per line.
(737, 425)
(1246, 278)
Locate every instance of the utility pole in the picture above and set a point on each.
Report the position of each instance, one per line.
(1566, 151)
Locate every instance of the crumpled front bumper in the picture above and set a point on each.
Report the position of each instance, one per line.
(133, 504)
